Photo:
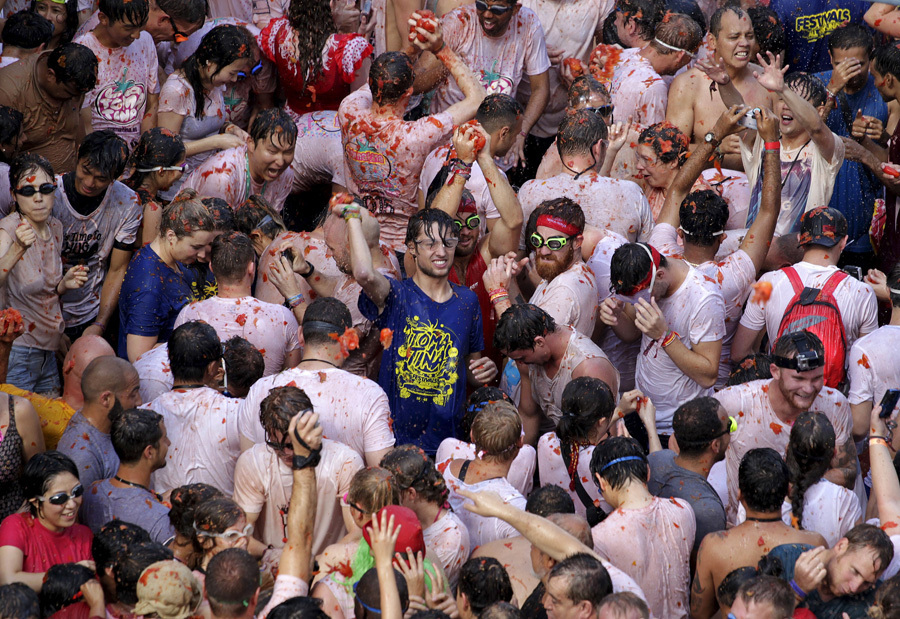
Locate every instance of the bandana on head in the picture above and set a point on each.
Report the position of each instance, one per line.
(467, 205)
(557, 223)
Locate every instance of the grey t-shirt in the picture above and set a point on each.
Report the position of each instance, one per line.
(667, 479)
(103, 502)
(90, 449)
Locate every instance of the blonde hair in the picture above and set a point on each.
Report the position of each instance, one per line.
(496, 431)
(374, 488)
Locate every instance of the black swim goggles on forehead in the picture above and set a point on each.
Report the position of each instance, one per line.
(29, 190)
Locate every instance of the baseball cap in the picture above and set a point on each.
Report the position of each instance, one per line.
(822, 225)
(169, 589)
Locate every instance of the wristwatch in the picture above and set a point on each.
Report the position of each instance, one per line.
(710, 138)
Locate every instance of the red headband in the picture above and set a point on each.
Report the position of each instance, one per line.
(558, 224)
(467, 205)
(655, 259)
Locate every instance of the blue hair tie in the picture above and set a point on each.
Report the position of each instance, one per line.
(617, 460)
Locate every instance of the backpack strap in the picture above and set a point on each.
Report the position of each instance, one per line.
(794, 278)
(833, 282)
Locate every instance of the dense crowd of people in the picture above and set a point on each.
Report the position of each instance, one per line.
(564, 309)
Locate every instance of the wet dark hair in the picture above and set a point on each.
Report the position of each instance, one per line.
(667, 141)
(715, 22)
(71, 22)
(221, 212)
(807, 86)
(870, 537)
(279, 407)
(586, 579)
(498, 110)
(113, 541)
(74, 64)
(696, 425)
(185, 500)
(751, 367)
(273, 122)
(728, 588)
(647, 14)
(769, 590)
(27, 30)
(128, 569)
(250, 215)
(62, 583)
(850, 36)
(579, 130)
(10, 124)
(40, 472)
(583, 87)
(703, 216)
(244, 364)
(325, 310)
(368, 589)
(519, 325)
(413, 469)
(390, 76)
(620, 473)
(190, 11)
(477, 400)
(785, 346)
(585, 401)
(679, 31)
(809, 455)
(213, 516)
(221, 46)
(157, 147)
(893, 283)
(484, 581)
(630, 265)
(424, 221)
(132, 430)
(550, 499)
(185, 215)
(232, 580)
(192, 347)
(887, 60)
(299, 608)
(689, 8)
(313, 22)
(768, 29)
(105, 152)
(230, 256)
(763, 480)
(19, 601)
(130, 12)
(27, 164)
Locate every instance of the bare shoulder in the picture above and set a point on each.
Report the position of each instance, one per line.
(687, 83)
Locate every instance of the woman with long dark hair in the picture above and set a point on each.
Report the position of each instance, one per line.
(317, 67)
(63, 16)
(192, 101)
(157, 163)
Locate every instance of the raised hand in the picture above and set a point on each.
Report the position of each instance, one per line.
(714, 70)
(772, 77)
(25, 235)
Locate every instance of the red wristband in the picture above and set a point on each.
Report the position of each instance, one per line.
(772, 145)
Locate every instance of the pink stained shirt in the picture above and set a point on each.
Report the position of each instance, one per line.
(638, 90)
(126, 76)
(262, 485)
(448, 539)
(570, 298)
(554, 472)
(872, 366)
(318, 154)
(225, 175)
(483, 530)
(383, 159)
(271, 328)
(476, 183)
(653, 546)
(499, 62)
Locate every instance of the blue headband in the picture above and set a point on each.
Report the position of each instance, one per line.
(617, 460)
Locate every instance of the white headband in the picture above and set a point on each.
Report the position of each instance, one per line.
(674, 49)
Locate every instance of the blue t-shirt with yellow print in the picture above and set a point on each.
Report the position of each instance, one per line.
(423, 371)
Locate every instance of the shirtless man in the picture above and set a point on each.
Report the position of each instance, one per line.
(763, 483)
(694, 107)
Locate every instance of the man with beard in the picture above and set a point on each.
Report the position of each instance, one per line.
(476, 251)
(692, 109)
(567, 290)
(257, 168)
(109, 385)
(766, 409)
(436, 326)
(554, 355)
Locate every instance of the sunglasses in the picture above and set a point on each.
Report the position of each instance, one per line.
(345, 500)
(553, 243)
(61, 498)
(603, 110)
(228, 536)
(472, 222)
(496, 9)
(284, 445)
(29, 190)
(253, 71)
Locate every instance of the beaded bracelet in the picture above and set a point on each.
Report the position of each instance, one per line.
(670, 337)
(295, 300)
(351, 211)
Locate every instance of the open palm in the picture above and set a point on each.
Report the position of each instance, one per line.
(772, 77)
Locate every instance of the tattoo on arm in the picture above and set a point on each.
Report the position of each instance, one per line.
(844, 464)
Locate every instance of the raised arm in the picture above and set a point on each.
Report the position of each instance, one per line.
(884, 18)
(804, 112)
(885, 484)
(384, 539)
(758, 239)
(504, 236)
(374, 284)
